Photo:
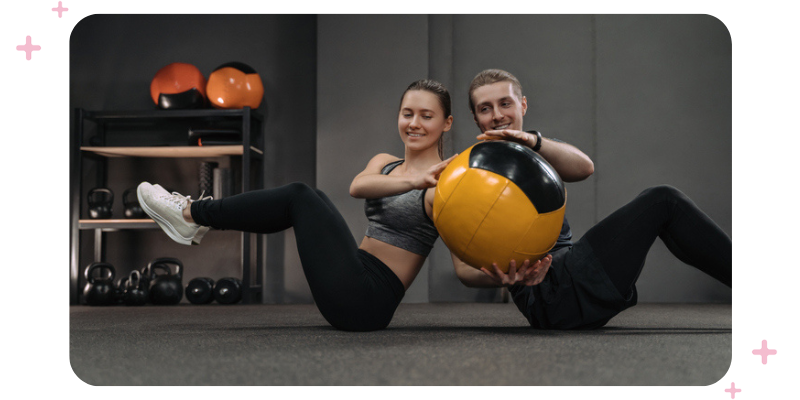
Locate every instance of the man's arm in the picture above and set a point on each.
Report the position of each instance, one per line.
(571, 164)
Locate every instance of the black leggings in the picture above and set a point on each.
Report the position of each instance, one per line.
(352, 289)
(622, 240)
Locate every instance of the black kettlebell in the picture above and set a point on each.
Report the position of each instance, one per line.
(165, 289)
(200, 291)
(149, 273)
(99, 291)
(136, 293)
(132, 208)
(120, 289)
(100, 202)
(228, 291)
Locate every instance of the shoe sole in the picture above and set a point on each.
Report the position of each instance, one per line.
(164, 224)
(199, 235)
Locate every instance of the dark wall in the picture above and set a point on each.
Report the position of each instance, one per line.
(113, 59)
(648, 98)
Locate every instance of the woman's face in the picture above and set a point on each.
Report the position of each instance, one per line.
(421, 120)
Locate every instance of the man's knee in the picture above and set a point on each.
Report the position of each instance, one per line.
(663, 192)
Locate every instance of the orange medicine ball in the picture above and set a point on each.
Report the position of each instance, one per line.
(235, 85)
(178, 86)
(499, 201)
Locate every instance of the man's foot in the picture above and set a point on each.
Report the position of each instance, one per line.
(167, 211)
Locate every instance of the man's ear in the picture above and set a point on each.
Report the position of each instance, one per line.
(524, 105)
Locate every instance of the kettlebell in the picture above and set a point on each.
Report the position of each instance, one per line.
(120, 289)
(136, 293)
(149, 273)
(166, 289)
(99, 291)
(132, 208)
(100, 202)
(200, 291)
(228, 291)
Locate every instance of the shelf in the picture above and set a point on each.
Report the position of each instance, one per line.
(168, 114)
(105, 125)
(170, 151)
(114, 224)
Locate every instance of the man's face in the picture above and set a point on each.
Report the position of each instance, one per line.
(498, 107)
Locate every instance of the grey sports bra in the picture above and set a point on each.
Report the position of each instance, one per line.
(400, 220)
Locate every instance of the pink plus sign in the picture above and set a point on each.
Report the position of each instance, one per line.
(28, 48)
(60, 9)
(733, 390)
(764, 352)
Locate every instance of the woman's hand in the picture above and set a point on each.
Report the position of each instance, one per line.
(528, 275)
(511, 135)
(430, 178)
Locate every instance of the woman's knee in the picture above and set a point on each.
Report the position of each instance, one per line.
(300, 190)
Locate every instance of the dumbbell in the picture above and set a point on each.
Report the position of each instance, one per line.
(200, 291)
(228, 291)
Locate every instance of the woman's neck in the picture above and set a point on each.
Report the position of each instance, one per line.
(421, 160)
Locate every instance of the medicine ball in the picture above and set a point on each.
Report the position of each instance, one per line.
(499, 201)
(178, 86)
(234, 85)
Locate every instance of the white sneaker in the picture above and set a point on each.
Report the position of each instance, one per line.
(167, 211)
(203, 229)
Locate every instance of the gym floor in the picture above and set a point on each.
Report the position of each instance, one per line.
(426, 344)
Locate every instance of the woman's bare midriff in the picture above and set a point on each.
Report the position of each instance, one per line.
(403, 263)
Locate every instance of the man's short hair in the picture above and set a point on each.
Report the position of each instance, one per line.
(490, 76)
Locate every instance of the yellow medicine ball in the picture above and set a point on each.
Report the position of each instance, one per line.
(499, 201)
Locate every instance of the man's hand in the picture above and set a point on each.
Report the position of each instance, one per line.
(512, 135)
(528, 274)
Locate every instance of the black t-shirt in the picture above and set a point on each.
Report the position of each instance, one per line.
(564, 238)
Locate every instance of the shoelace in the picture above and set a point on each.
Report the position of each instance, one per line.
(201, 196)
(177, 200)
(181, 201)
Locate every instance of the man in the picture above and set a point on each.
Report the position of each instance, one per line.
(585, 284)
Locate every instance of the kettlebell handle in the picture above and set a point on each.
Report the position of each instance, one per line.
(167, 260)
(99, 265)
(138, 279)
(92, 192)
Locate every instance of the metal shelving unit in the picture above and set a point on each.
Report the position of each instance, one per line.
(250, 150)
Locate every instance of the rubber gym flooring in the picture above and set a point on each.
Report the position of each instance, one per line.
(441, 344)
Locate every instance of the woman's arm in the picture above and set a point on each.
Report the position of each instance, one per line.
(529, 274)
(371, 184)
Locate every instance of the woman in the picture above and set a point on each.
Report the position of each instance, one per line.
(356, 287)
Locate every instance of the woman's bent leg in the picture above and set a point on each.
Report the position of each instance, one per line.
(340, 284)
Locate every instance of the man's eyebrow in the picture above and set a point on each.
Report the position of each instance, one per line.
(504, 98)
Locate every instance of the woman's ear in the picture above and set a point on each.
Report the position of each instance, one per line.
(448, 124)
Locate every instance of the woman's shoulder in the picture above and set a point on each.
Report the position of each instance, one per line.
(381, 160)
(385, 158)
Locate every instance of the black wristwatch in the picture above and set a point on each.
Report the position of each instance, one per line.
(538, 140)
